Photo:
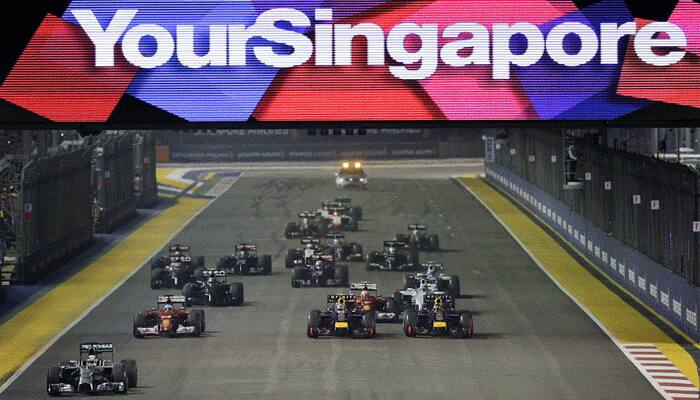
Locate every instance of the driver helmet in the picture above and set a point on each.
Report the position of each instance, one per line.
(243, 254)
(309, 246)
(364, 294)
(392, 250)
(416, 232)
(336, 242)
(431, 271)
(91, 358)
(424, 284)
(168, 308)
(339, 306)
(318, 264)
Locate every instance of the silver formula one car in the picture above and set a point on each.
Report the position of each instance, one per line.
(93, 373)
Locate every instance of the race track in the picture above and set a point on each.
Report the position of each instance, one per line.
(531, 341)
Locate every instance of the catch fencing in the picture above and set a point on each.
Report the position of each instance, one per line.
(648, 204)
(114, 182)
(55, 212)
(145, 184)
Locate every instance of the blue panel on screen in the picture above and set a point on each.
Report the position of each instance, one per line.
(566, 87)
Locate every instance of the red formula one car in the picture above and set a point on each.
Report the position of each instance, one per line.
(386, 309)
(171, 319)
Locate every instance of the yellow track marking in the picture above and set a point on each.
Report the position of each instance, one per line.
(621, 320)
(163, 178)
(31, 329)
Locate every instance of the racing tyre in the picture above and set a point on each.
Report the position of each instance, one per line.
(198, 274)
(289, 258)
(266, 262)
(237, 294)
(408, 282)
(398, 298)
(159, 262)
(453, 286)
(412, 259)
(369, 324)
(434, 242)
(291, 230)
(467, 324)
(410, 323)
(132, 372)
(322, 230)
(119, 375)
(190, 292)
(356, 213)
(53, 376)
(193, 320)
(155, 278)
(139, 322)
(356, 249)
(225, 263)
(297, 276)
(392, 306)
(313, 324)
(341, 275)
(202, 321)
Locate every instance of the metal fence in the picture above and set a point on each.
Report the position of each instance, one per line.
(145, 184)
(55, 218)
(648, 204)
(114, 181)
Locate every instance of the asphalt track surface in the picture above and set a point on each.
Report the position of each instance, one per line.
(530, 342)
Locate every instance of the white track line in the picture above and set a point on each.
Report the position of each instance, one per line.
(602, 327)
(43, 350)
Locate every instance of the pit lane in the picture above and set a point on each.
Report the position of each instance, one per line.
(531, 341)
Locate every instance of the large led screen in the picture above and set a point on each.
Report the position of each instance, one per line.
(345, 60)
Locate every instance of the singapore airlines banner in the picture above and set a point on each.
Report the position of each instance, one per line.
(371, 60)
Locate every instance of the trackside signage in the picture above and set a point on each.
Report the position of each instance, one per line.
(159, 61)
(657, 44)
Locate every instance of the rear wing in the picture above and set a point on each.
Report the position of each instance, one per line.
(246, 247)
(436, 266)
(336, 235)
(337, 208)
(332, 204)
(317, 257)
(430, 299)
(342, 200)
(171, 298)
(417, 227)
(310, 241)
(98, 347)
(179, 247)
(213, 274)
(308, 215)
(372, 287)
(393, 243)
(183, 259)
(341, 298)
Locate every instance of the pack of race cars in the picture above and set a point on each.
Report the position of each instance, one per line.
(425, 305)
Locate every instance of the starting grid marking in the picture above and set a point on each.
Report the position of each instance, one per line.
(660, 371)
